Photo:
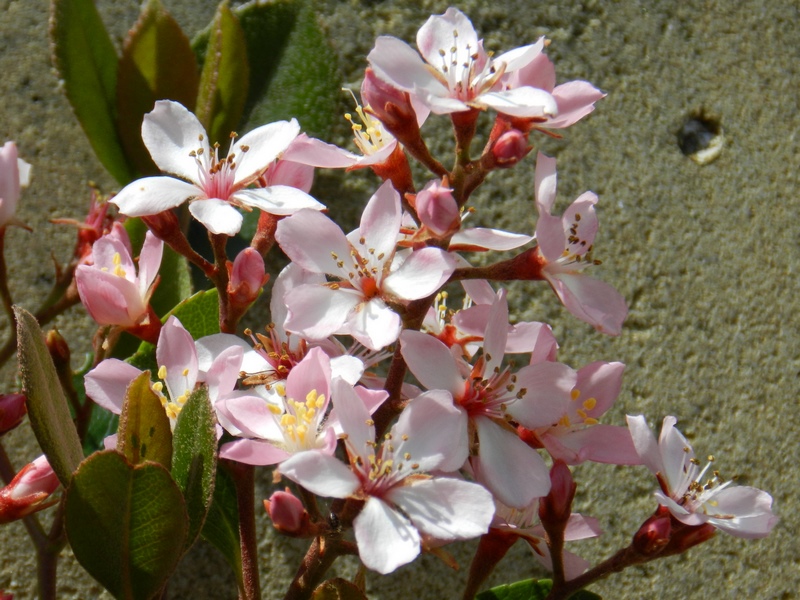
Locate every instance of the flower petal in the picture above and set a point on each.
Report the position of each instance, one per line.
(218, 216)
(152, 195)
(386, 539)
(278, 199)
(170, 133)
(320, 474)
(263, 144)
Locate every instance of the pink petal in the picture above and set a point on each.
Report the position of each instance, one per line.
(320, 474)
(524, 102)
(386, 539)
(481, 238)
(602, 381)
(311, 151)
(373, 324)
(176, 352)
(545, 183)
(313, 252)
(398, 64)
(548, 388)
(311, 373)
(253, 452)
(278, 199)
(431, 362)
(107, 382)
(645, 443)
(149, 262)
(422, 274)
(110, 300)
(591, 300)
(608, 444)
(354, 418)
(575, 100)
(748, 512)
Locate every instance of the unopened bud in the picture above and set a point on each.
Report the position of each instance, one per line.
(58, 347)
(437, 209)
(654, 534)
(164, 225)
(510, 148)
(6, 596)
(247, 275)
(29, 491)
(556, 507)
(12, 411)
(287, 512)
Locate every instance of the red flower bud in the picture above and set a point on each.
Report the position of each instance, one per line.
(12, 411)
(247, 275)
(654, 534)
(287, 512)
(556, 507)
(510, 148)
(29, 491)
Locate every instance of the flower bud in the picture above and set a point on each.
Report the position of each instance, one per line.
(437, 209)
(287, 512)
(510, 148)
(654, 534)
(58, 348)
(688, 536)
(14, 174)
(6, 596)
(556, 507)
(247, 275)
(391, 106)
(29, 491)
(12, 411)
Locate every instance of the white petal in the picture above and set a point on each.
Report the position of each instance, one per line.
(264, 144)
(446, 509)
(386, 539)
(482, 238)
(374, 324)
(545, 182)
(218, 216)
(521, 102)
(320, 474)
(170, 133)
(152, 195)
(313, 252)
(317, 311)
(278, 199)
(397, 63)
(422, 274)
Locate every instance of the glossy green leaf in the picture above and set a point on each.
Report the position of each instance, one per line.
(157, 63)
(144, 428)
(86, 60)
(194, 459)
(222, 523)
(338, 589)
(126, 523)
(529, 589)
(225, 77)
(47, 405)
(300, 76)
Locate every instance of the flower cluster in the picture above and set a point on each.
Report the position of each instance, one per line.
(419, 424)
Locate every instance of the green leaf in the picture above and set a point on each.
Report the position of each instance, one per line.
(102, 423)
(529, 589)
(338, 589)
(47, 405)
(194, 459)
(86, 62)
(300, 74)
(126, 524)
(222, 523)
(157, 63)
(224, 80)
(144, 428)
(175, 280)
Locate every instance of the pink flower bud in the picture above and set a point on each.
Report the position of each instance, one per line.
(6, 596)
(688, 536)
(247, 275)
(437, 209)
(14, 174)
(510, 148)
(654, 534)
(12, 411)
(287, 513)
(29, 491)
(556, 507)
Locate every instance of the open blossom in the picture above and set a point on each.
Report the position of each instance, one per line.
(110, 287)
(565, 250)
(578, 435)
(178, 373)
(14, 174)
(371, 274)
(488, 396)
(401, 499)
(453, 73)
(179, 145)
(692, 494)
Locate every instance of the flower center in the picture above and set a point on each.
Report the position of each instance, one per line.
(216, 177)
(369, 135)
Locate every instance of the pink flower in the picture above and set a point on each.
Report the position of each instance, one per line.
(371, 274)
(488, 396)
(401, 499)
(178, 373)
(14, 174)
(565, 247)
(29, 491)
(179, 145)
(454, 73)
(692, 494)
(293, 417)
(110, 288)
(578, 436)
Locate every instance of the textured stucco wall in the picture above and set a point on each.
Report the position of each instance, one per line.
(707, 257)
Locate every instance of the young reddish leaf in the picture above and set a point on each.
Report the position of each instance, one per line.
(144, 430)
(47, 406)
(225, 77)
(86, 62)
(157, 63)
